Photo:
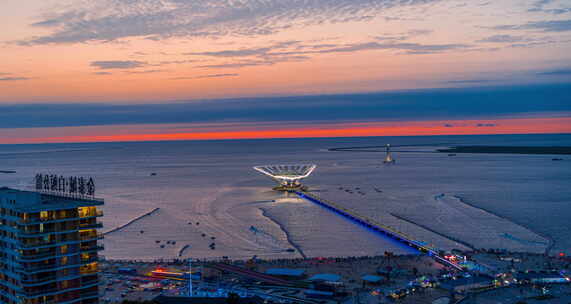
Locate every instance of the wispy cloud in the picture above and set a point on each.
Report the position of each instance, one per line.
(541, 6)
(503, 39)
(270, 55)
(255, 62)
(407, 47)
(404, 36)
(544, 26)
(13, 78)
(118, 64)
(556, 72)
(207, 76)
(471, 81)
(144, 72)
(86, 20)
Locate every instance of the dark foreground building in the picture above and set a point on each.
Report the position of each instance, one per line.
(48, 248)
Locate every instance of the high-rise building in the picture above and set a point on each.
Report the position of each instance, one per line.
(48, 247)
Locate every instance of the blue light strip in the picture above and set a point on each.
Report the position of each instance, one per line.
(413, 244)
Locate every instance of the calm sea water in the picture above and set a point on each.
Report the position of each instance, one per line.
(208, 194)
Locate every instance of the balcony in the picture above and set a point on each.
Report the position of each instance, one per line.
(54, 278)
(81, 238)
(54, 266)
(54, 254)
(54, 291)
(38, 232)
(54, 219)
(90, 236)
(41, 255)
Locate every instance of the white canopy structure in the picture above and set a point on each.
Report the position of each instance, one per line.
(288, 176)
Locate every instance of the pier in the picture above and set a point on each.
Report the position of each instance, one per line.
(380, 228)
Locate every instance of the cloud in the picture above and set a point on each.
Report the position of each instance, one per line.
(117, 64)
(545, 26)
(485, 125)
(448, 126)
(405, 46)
(539, 6)
(273, 54)
(469, 81)
(263, 61)
(522, 41)
(503, 39)
(144, 72)
(13, 78)
(481, 104)
(207, 76)
(108, 20)
(404, 36)
(419, 32)
(558, 72)
(296, 51)
(102, 73)
(234, 53)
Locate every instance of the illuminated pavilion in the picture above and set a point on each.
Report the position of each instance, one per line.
(287, 176)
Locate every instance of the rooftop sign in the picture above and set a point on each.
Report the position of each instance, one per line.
(67, 186)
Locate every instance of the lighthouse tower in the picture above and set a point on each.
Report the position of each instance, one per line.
(389, 158)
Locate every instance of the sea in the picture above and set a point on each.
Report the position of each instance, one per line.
(204, 200)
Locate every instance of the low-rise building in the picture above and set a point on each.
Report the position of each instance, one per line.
(468, 284)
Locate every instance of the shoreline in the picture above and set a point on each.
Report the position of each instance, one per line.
(551, 241)
(288, 236)
(464, 243)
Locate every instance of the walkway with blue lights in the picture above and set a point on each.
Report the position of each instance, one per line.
(378, 227)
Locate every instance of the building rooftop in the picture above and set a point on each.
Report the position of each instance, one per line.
(286, 272)
(327, 277)
(372, 278)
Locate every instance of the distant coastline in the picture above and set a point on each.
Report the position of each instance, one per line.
(553, 150)
(508, 150)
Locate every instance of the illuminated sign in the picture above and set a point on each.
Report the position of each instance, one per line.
(72, 185)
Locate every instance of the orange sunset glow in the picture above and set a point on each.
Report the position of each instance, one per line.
(404, 128)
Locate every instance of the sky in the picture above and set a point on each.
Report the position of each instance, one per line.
(125, 70)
